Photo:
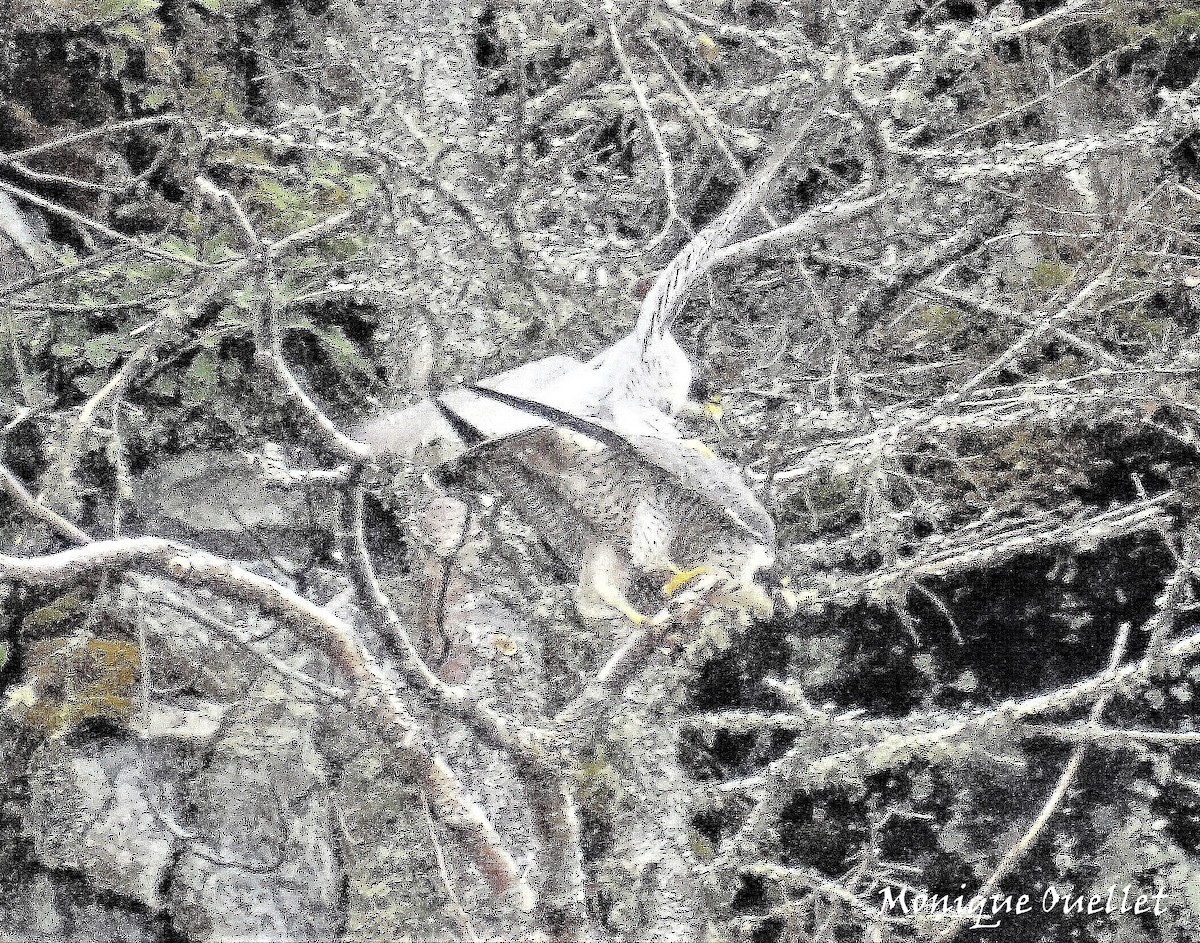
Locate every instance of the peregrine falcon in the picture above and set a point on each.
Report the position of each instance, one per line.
(624, 507)
(593, 452)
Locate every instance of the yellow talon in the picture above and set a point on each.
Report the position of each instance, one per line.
(681, 578)
(713, 409)
(701, 448)
(634, 616)
(629, 612)
(616, 599)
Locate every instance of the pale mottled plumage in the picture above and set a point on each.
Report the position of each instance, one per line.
(420, 433)
(637, 386)
(627, 508)
(595, 457)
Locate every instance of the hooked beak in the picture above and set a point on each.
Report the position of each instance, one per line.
(711, 409)
(714, 411)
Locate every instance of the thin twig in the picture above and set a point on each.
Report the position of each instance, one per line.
(643, 102)
(1026, 841)
(457, 913)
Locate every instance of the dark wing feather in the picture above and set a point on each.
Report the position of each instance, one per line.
(593, 430)
(710, 478)
(468, 432)
(715, 480)
(497, 465)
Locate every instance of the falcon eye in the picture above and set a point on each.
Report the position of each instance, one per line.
(701, 390)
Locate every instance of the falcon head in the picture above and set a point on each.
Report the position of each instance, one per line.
(704, 397)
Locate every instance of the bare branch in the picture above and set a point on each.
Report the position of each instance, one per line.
(1026, 841)
(376, 701)
(27, 503)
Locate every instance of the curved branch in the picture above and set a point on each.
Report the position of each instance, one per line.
(500, 732)
(376, 700)
(665, 164)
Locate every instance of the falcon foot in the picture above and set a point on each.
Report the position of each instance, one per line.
(700, 447)
(632, 614)
(617, 600)
(682, 578)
